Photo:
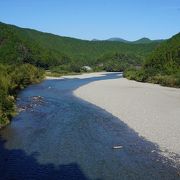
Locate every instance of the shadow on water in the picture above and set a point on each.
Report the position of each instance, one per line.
(67, 138)
(16, 165)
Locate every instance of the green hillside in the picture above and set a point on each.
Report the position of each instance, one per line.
(147, 41)
(118, 39)
(162, 66)
(139, 41)
(19, 45)
(143, 40)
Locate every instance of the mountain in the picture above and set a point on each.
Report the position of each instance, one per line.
(165, 59)
(22, 45)
(146, 41)
(139, 41)
(143, 40)
(118, 40)
(162, 65)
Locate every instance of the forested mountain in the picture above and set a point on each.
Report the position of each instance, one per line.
(166, 58)
(19, 45)
(139, 41)
(143, 40)
(147, 41)
(162, 66)
(118, 40)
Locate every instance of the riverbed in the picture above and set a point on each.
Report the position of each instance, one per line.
(58, 135)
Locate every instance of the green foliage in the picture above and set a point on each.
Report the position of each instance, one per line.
(162, 66)
(66, 69)
(118, 61)
(18, 45)
(12, 79)
(135, 74)
(166, 80)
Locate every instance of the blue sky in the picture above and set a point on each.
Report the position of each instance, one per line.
(101, 19)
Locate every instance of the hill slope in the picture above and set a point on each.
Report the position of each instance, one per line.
(118, 40)
(163, 65)
(147, 40)
(139, 41)
(143, 40)
(20, 45)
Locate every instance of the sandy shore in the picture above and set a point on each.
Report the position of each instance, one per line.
(151, 110)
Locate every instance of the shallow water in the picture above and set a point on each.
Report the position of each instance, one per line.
(63, 137)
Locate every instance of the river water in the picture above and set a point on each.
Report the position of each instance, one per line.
(59, 136)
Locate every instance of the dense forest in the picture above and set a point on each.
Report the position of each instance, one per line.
(162, 66)
(19, 45)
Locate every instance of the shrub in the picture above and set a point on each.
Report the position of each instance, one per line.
(13, 79)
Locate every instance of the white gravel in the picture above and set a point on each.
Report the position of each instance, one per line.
(151, 110)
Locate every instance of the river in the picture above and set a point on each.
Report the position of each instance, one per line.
(59, 136)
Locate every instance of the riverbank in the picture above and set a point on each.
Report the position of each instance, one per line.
(12, 80)
(151, 110)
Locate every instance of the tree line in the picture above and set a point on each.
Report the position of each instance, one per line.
(162, 66)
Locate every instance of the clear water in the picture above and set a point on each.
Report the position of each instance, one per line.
(63, 137)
